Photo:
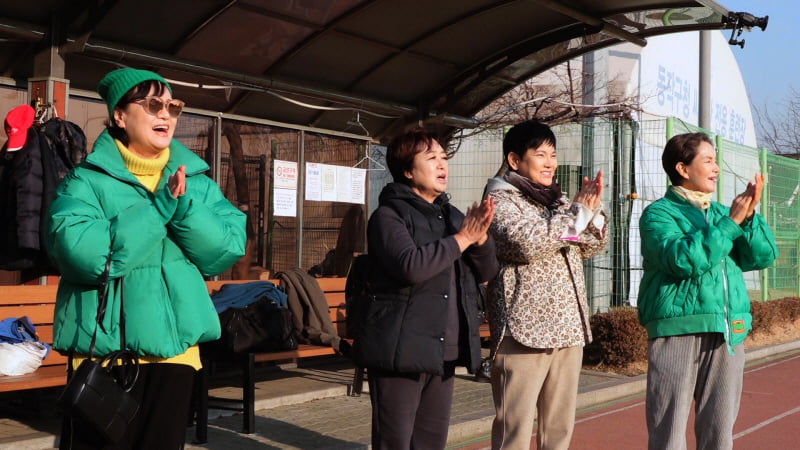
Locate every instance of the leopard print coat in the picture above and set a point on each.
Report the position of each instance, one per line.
(539, 295)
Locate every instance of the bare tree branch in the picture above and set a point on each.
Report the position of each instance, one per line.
(552, 98)
(780, 132)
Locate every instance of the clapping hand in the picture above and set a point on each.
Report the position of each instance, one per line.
(758, 183)
(177, 182)
(744, 205)
(475, 227)
(591, 192)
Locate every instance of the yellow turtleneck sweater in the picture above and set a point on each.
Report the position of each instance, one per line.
(149, 173)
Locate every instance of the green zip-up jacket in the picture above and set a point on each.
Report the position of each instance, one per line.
(693, 265)
(161, 247)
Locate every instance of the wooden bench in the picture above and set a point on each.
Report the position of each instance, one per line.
(37, 302)
(334, 294)
(334, 290)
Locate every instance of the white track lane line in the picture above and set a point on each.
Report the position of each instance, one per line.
(776, 363)
(607, 413)
(614, 411)
(765, 423)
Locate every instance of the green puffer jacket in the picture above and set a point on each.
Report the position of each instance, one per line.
(161, 248)
(693, 265)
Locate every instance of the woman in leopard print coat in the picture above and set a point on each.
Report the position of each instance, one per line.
(537, 304)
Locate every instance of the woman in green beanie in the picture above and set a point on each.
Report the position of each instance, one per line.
(142, 198)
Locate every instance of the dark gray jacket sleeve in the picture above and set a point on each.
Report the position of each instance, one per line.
(392, 245)
(483, 259)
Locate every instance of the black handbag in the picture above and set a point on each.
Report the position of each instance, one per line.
(96, 395)
(358, 296)
(261, 326)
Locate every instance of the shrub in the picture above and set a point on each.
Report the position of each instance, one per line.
(767, 315)
(764, 314)
(790, 309)
(618, 338)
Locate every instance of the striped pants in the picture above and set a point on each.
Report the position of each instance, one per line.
(695, 367)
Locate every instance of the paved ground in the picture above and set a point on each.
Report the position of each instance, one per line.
(769, 416)
(308, 408)
(342, 422)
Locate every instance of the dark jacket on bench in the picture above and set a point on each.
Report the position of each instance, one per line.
(415, 266)
(309, 308)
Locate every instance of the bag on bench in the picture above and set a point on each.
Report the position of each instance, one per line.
(261, 326)
(20, 349)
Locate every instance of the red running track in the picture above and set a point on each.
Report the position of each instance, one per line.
(769, 416)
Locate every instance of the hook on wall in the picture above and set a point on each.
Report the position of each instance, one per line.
(356, 122)
(41, 110)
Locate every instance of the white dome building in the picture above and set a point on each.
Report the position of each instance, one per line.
(665, 76)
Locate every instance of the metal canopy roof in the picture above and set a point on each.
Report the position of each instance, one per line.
(396, 61)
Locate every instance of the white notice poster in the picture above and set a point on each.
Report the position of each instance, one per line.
(285, 174)
(358, 183)
(313, 182)
(284, 202)
(328, 184)
(343, 184)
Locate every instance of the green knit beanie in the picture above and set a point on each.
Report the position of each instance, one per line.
(118, 82)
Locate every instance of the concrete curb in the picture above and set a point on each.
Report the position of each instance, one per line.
(46, 442)
(770, 350)
(294, 399)
(610, 391)
(465, 431)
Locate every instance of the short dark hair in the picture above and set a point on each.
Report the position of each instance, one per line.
(526, 135)
(681, 148)
(401, 151)
(137, 92)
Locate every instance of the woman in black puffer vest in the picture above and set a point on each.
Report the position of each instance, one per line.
(426, 261)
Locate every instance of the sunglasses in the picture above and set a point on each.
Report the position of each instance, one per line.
(153, 105)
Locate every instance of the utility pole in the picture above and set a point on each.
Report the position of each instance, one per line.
(704, 108)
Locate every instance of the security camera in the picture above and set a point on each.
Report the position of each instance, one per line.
(743, 21)
(747, 20)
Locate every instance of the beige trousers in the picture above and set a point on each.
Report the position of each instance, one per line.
(527, 383)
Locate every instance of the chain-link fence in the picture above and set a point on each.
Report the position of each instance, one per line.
(322, 236)
(629, 154)
(739, 164)
(782, 211)
(242, 156)
(331, 232)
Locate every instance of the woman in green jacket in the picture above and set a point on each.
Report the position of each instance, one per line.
(693, 300)
(142, 198)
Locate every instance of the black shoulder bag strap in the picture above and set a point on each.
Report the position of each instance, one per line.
(128, 360)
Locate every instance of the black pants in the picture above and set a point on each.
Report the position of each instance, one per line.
(164, 393)
(410, 410)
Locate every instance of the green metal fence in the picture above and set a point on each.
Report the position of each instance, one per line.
(739, 163)
(782, 210)
(629, 153)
